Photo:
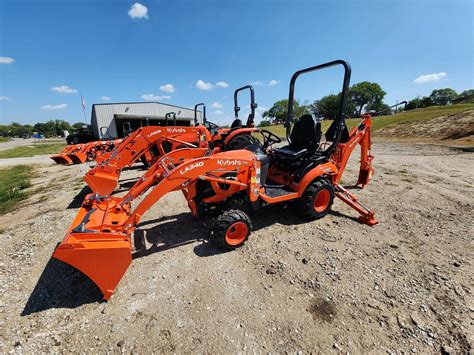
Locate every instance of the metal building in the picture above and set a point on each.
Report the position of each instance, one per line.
(118, 118)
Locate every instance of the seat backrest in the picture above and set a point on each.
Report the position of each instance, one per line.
(236, 124)
(304, 132)
(331, 133)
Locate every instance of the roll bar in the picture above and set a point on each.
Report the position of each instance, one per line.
(253, 105)
(345, 93)
(168, 115)
(396, 105)
(204, 118)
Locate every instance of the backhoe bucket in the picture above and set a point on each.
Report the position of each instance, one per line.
(77, 158)
(93, 248)
(366, 172)
(102, 183)
(61, 159)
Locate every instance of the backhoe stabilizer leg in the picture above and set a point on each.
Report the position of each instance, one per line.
(367, 216)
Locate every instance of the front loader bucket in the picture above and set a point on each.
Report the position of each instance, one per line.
(61, 159)
(104, 263)
(102, 183)
(78, 158)
(94, 249)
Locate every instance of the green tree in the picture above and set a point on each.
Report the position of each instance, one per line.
(328, 107)
(78, 125)
(384, 110)
(279, 110)
(443, 96)
(413, 104)
(366, 94)
(466, 93)
(265, 123)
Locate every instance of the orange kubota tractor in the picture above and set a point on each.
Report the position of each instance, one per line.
(151, 142)
(226, 186)
(147, 143)
(83, 152)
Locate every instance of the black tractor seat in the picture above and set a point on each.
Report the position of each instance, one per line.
(302, 152)
(290, 153)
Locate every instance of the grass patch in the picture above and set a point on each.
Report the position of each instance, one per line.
(418, 115)
(13, 184)
(5, 139)
(32, 150)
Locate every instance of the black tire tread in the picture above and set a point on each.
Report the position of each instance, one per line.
(222, 223)
(305, 203)
(241, 141)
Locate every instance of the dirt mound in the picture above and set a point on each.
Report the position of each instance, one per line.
(458, 128)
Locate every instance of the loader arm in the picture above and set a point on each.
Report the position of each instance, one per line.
(103, 178)
(98, 243)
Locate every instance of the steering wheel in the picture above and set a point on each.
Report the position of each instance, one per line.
(212, 127)
(269, 138)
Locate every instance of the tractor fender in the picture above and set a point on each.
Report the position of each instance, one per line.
(238, 132)
(320, 170)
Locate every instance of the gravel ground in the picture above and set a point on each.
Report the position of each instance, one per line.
(329, 286)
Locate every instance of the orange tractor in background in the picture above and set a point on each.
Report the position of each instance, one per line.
(152, 142)
(84, 152)
(226, 186)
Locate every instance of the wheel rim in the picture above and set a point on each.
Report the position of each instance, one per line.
(236, 233)
(321, 201)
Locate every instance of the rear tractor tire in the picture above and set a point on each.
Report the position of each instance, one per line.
(241, 141)
(231, 229)
(317, 199)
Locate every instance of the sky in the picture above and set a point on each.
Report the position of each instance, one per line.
(187, 51)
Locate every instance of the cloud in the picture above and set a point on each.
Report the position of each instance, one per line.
(218, 112)
(153, 97)
(430, 77)
(5, 98)
(105, 98)
(273, 82)
(138, 11)
(222, 84)
(263, 108)
(216, 105)
(168, 88)
(6, 60)
(64, 89)
(54, 107)
(202, 85)
(258, 83)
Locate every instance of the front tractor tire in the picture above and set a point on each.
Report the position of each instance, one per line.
(317, 199)
(231, 229)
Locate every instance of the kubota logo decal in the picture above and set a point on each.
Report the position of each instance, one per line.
(176, 130)
(227, 162)
(191, 167)
(154, 132)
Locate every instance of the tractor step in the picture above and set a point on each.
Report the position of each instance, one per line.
(277, 191)
(274, 194)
